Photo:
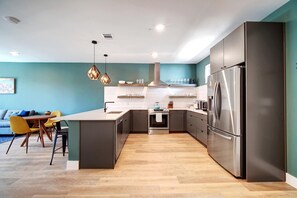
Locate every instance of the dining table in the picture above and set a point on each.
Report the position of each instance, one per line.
(40, 120)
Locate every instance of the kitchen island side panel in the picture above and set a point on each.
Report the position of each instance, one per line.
(73, 140)
(265, 95)
(97, 144)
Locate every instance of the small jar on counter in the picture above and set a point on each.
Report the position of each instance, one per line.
(170, 105)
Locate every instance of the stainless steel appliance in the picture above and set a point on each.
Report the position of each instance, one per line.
(158, 121)
(225, 118)
(203, 105)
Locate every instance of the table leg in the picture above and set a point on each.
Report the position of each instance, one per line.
(41, 132)
(45, 131)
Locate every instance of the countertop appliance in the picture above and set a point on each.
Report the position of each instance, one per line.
(225, 118)
(158, 121)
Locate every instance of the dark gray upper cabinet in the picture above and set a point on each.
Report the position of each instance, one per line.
(217, 57)
(177, 120)
(139, 120)
(229, 51)
(234, 47)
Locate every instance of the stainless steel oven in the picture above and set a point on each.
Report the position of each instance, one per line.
(158, 121)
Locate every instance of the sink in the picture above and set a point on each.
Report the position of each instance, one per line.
(114, 112)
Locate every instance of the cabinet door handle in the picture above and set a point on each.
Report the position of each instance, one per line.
(190, 124)
(202, 131)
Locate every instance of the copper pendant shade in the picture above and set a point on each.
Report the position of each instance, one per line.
(105, 79)
(94, 73)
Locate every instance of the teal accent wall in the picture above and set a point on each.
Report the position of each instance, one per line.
(288, 14)
(200, 70)
(65, 86)
(170, 72)
(51, 86)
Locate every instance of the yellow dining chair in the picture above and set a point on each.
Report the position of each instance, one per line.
(51, 123)
(19, 126)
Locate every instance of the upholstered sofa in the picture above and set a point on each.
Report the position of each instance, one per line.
(4, 119)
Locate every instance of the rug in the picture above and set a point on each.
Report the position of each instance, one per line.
(5, 138)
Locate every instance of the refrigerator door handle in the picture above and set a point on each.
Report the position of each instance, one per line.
(215, 100)
(219, 100)
(223, 136)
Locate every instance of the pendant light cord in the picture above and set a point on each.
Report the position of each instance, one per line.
(105, 55)
(94, 54)
(105, 64)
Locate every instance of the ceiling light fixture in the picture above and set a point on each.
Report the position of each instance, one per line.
(105, 79)
(154, 54)
(160, 27)
(94, 73)
(14, 53)
(12, 19)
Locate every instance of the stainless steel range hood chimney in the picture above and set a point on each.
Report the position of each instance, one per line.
(157, 82)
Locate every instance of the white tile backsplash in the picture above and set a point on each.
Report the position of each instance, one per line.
(152, 95)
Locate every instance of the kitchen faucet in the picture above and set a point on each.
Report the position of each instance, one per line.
(105, 108)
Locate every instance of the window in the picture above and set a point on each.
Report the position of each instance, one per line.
(207, 72)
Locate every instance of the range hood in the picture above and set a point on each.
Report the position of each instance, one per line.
(157, 82)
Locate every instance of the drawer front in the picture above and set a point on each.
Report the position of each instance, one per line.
(202, 135)
(191, 128)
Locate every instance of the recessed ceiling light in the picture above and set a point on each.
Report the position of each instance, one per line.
(12, 19)
(154, 54)
(14, 53)
(160, 27)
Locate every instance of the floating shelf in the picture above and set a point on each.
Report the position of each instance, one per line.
(128, 96)
(131, 85)
(181, 96)
(182, 85)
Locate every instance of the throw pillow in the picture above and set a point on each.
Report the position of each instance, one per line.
(8, 114)
(2, 113)
(14, 114)
(32, 112)
(24, 113)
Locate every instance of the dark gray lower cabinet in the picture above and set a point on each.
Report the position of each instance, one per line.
(202, 128)
(197, 126)
(177, 120)
(139, 121)
(97, 144)
(101, 142)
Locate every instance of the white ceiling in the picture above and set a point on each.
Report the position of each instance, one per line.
(62, 30)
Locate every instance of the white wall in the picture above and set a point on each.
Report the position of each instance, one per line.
(152, 95)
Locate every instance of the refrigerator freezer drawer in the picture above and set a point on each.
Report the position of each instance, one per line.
(226, 149)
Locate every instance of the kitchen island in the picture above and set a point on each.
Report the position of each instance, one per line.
(96, 138)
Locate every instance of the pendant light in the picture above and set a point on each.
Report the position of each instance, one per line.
(94, 73)
(105, 79)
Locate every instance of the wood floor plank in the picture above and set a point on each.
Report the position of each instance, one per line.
(172, 165)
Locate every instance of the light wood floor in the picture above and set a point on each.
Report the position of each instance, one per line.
(173, 165)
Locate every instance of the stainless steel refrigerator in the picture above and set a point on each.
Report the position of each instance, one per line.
(226, 119)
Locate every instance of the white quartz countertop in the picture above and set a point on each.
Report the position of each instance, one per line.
(99, 114)
(193, 110)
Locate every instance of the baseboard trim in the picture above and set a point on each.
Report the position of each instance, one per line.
(72, 165)
(291, 180)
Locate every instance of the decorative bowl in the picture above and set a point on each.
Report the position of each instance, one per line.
(121, 82)
(129, 82)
